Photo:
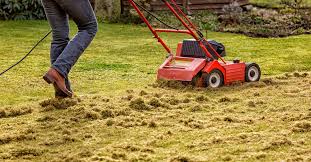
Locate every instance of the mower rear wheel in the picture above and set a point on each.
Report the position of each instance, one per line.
(252, 72)
(214, 79)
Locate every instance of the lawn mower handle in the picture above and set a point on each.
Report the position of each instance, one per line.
(198, 36)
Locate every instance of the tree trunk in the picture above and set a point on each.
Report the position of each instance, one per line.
(108, 9)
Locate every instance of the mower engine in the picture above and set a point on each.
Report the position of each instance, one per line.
(191, 48)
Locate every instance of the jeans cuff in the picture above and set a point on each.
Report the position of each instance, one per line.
(59, 71)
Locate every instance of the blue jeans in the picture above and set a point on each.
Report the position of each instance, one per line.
(65, 52)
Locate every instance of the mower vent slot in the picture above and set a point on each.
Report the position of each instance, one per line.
(191, 48)
(176, 67)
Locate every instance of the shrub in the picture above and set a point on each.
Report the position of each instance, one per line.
(21, 10)
(206, 20)
(294, 5)
(292, 19)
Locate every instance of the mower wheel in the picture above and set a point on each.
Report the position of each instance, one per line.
(198, 81)
(214, 79)
(252, 72)
(195, 80)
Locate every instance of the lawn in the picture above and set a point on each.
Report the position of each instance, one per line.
(122, 114)
(128, 56)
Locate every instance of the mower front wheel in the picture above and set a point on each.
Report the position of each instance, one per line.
(214, 79)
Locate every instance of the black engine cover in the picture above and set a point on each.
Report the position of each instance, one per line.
(191, 48)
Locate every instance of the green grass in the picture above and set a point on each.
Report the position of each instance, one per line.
(263, 121)
(125, 56)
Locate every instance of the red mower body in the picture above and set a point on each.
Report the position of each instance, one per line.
(185, 69)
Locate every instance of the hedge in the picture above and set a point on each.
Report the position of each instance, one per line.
(21, 10)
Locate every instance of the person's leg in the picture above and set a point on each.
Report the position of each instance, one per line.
(58, 20)
(83, 15)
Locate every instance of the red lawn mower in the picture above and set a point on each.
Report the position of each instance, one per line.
(198, 60)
